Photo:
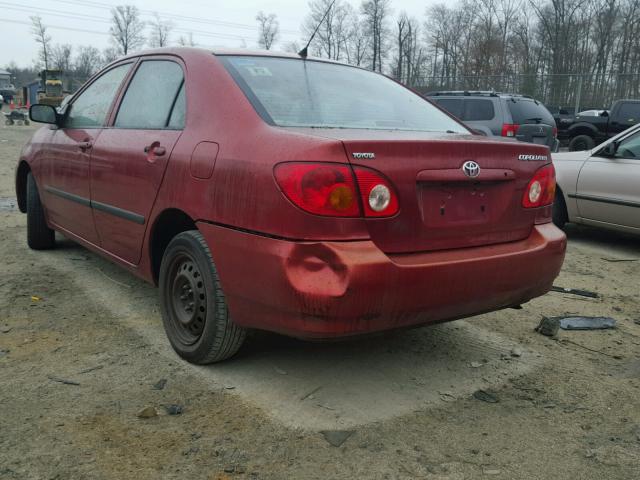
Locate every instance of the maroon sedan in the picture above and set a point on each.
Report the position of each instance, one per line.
(305, 197)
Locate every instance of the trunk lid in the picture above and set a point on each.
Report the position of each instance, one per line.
(440, 206)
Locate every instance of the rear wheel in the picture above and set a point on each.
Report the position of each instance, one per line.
(39, 235)
(559, 215)
(194, 309)
(581, 142)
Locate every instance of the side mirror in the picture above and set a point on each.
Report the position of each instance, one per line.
(43, 114)
(604, 113)
(610, 150)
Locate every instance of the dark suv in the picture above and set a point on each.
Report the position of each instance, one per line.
(501, 114)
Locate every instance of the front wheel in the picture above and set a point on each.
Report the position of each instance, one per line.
(194, 309)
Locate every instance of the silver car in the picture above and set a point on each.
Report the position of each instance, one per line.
(601, 187)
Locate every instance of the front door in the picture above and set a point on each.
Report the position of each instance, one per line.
(130, 157)
(608, 187)
(65, 169)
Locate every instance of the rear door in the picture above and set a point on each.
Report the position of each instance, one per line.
(65, 168)
(130, 157)
(608, 187)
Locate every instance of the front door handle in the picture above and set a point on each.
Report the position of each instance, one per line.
(85, 145)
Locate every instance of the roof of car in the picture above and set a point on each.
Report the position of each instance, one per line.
(225, 51)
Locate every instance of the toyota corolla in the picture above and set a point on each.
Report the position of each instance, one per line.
(301, 196)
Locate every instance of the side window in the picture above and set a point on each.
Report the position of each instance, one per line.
(629, 112)
(452, 105)
(178, 112)
(629, 147)
(150, 96)
(91, 107)
(478, 109)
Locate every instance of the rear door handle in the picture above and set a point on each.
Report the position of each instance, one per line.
(157, 150)
(85, 145)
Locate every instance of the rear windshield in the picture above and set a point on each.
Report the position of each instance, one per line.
(295, 93)
(528, 111)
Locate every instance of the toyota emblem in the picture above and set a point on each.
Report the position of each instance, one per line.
(471, 169)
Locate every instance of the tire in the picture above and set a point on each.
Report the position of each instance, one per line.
(194, 309)
(26, 122)
(559, 215)
(581, 142)
(39, 235)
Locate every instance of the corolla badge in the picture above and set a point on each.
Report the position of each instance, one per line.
(471, 169)
(526, 158)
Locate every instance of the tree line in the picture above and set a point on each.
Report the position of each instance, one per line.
(589, 44)
(465, 44)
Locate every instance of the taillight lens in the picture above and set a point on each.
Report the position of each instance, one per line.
(509, 129)
(541, 189)
(332, 189)
(320, 188)
(378, 195)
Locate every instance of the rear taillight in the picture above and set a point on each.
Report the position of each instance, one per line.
(320, 188)
(509, 129)
(378, 196)
(541, 189)
(330, 189)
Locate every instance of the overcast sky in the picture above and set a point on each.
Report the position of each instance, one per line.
(229, 23)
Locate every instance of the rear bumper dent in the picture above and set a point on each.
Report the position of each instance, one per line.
(332, 289)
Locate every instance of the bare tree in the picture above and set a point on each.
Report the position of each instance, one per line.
(61, 57)
(160, 32)
(269, 29)
(41, 36)
(87, 61)
(333, 33)
(109, 55)
(126, 28)
(375, 13)
(186, 41)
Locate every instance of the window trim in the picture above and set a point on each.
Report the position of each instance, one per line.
(140, 60)
(116, 97)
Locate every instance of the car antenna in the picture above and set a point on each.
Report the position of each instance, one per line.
(303, 53)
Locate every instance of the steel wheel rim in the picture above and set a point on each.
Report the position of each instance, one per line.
(187, 299)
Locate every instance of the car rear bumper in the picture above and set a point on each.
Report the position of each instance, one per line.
(332, 289)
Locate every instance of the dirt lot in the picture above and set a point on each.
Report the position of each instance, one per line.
(565, 408)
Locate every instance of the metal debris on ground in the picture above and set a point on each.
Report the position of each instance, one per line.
(336, 437)
(586, 323)
(5, 329)
(575, 291)
(548, 326)
(484, 396)
(615, 260)
(62, 380)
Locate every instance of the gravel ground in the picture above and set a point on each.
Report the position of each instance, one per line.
(82, 353)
